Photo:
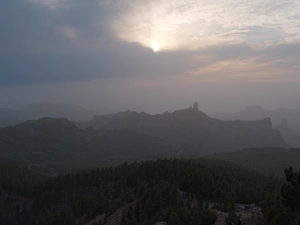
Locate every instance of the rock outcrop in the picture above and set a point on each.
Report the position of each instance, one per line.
(193, 127)
(289, 135)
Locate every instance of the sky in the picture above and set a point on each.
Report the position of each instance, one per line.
(151, 55)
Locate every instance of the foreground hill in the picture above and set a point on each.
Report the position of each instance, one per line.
(191, 126)
(141, 193)
(269, 161)
(52, 145)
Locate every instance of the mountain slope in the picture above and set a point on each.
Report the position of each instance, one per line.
(254, 112)
(289, 135)
(269, 161)
(151, 191)
(56, 145)
(193, 127)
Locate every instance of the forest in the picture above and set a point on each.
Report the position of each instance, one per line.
(176, 191)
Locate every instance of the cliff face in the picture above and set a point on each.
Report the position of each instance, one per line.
(292, 137)
(257, 112)
(191, 126)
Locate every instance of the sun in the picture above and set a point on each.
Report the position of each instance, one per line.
(155, 47)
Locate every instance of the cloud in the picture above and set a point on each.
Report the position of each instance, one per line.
(52, 4)
(53, 41)
(177, 24)
(69, 32)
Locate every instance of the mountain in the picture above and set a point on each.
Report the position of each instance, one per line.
(21, 113)
(269, 161)
(194, 128)
(54, 145)
(254, 112)
(289, 135)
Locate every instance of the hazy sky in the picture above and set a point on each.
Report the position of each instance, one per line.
(151, 55)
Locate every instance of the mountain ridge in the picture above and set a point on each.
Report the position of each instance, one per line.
(58, 144)
(195, 127)
(21, 113)
(252, 112)
(292, 137)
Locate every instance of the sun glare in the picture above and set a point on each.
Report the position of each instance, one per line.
(155, 47)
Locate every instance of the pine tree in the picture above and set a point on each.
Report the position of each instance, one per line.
(290, 191)
(173, 219)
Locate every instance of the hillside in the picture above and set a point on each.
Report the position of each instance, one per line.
(269, 161)
(153, 191)
(16, 177)
(193, 127)
(54, 145)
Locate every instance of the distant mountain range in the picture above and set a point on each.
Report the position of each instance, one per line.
(21, 113)
(254, 112)
(279, 117)
(53, 145)
(193, 127)
(288, 134)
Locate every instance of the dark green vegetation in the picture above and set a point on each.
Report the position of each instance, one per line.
(163, 190)
(194, 128)
(17, 186)
(269, 161)
(146, 192)
(52, 146)
(290, 191)
(17, 178)
(284, 208)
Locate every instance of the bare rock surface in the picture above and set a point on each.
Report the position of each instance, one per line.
(249, 215)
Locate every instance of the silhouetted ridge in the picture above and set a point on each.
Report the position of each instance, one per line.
(63, 123)
(292, 137)
(51, 145)
(264, 123)
(258, 112)
(60, 127)
(192, 127)
(195, 112)
(254, 108)
(22, 113)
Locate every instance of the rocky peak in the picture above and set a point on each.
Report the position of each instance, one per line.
(195, 105)
(267, 121)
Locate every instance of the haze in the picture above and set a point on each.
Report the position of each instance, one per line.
(151, 56)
